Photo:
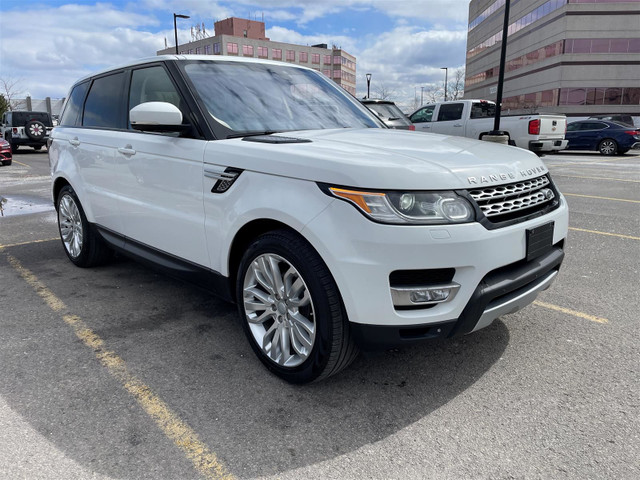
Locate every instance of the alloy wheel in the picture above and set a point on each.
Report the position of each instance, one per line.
(70, 222)
(279, 310)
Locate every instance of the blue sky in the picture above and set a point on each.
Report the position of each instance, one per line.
(46, 46)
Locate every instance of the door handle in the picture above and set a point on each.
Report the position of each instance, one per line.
(457, 124)
(127, 150)
(74, 141)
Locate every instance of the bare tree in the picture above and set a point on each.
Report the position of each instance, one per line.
(433, 93)
(455, 89)
(9, 90)
(385, 92)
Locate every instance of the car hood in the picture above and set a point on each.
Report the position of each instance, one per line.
(380, 159)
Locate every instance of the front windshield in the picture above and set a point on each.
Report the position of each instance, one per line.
(257, 97)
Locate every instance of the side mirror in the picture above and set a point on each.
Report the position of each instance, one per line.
(157, 117)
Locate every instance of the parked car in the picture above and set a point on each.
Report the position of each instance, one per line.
(608, 138)
(271, 185)
(389, 113)
(6, 156)
(626, 119)
(26, 128)
(475, 118)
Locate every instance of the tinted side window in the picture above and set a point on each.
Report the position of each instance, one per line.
(450, 111)
(423, 115)
(103, 105)
(573, 127)
(73, 107)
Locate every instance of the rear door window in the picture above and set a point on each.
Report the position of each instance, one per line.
(103, 107)
(450, 111)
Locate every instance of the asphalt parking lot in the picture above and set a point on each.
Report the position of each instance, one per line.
(120, 372)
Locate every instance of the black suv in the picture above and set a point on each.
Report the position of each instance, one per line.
(26, 128)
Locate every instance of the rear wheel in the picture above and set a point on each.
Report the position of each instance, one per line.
(81, 244)
(608, 146)
(6, 163)
(291, 309)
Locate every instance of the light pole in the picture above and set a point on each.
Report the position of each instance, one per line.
(175, 27)
(421, 95)
(503, 54)
(446, 80)
(368, 83)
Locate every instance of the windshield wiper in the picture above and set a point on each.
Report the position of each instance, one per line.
(252, 134)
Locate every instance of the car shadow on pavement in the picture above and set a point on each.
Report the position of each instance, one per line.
(189, 348)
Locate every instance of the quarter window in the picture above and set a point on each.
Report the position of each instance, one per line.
(103, 108)
(74, 105)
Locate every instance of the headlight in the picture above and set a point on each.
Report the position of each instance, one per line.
(422, 208)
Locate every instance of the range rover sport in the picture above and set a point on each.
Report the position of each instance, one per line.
(275, 188)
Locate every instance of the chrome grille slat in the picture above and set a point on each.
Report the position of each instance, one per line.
(513, 197)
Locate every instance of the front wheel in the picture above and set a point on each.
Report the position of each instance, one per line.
(608, 147)
(291, 309)
(81, 244)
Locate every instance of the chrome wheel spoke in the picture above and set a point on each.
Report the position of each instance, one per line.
(70, 223)
(279, 310)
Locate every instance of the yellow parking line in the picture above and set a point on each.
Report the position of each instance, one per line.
(183, 436)
(619, 235)
(600, 198)
(20, 163)
(568, 311)
(597, 178)
(28, 243)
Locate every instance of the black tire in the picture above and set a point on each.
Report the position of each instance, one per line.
(332, 346)
(6, 163)
(35, 130)
(81, 243)
(37, 147)
(608, 147)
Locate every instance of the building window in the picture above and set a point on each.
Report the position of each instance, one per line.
(315, 58)
(277, 54)
(304, 57)
(326, 59)
(207, 49)
(337, 74)
(198, 50)
(216, 49)
(263, 52)
(247, 50)
(327, 72)
(291, 56)
(232, 48)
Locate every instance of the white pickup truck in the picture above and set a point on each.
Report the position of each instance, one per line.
(475, 118)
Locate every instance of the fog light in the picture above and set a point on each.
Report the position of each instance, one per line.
(422, 296)
(416, 296)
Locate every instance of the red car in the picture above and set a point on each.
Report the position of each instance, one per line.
(5, 152)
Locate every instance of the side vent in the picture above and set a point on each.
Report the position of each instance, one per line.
(224, 179)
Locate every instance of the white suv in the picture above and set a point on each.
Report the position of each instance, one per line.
(275, 188)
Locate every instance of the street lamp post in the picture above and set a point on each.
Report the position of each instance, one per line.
(368, 83)
(175, 27)
(421, 95)
(446, 80)
(503, 54)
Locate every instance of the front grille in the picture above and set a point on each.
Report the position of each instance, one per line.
(514, 200)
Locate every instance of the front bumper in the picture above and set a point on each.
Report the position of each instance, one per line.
(490, 267)
(547, 145)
